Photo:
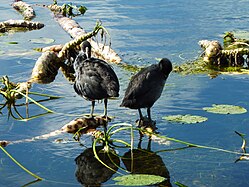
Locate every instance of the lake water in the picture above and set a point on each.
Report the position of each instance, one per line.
(141, 31)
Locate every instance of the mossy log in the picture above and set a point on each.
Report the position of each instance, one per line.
(46, 67)
(25, 9)
(216, 55)
(11, 24)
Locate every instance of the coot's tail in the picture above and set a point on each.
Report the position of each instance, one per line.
(126, 103)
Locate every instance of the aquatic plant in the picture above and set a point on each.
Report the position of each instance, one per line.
(11, 92)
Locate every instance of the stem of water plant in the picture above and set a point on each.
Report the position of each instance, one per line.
(21, 166)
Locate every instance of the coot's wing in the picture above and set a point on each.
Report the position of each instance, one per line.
(109, 80)
(88, 81)
(96, 80)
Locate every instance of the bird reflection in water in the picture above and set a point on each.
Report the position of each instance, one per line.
(144, 161)
(90, 172)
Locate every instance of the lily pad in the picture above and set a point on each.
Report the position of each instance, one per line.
(42, 40)
(225, 109)
(13, 42)
(138, 180)
(187, 119)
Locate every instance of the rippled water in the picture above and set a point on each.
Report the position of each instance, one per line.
(141, 31)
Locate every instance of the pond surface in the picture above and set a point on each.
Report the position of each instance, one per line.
(141, 31)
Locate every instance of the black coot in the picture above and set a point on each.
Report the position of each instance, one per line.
(146, 87)
(94, 78)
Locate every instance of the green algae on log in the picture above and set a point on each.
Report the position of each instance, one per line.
(216, 59)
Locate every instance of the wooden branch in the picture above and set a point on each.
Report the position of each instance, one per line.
(25, 9)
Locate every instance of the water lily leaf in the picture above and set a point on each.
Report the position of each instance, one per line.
(138, 180)
(225, 109)
(188, 119)
(13, 42)
(42, 40)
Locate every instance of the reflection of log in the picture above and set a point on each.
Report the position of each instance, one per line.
(25, 9)
(90, 171)
(28, 25)
(74, 30)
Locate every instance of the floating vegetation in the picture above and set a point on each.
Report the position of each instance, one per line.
(68, 10)
(145, 161)
(42, 40)
(138, 180)
(233, 56)
(225, 109)
(13, 42)
(185, 119)
(11, 92)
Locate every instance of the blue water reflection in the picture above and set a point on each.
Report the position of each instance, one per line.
(141, 31)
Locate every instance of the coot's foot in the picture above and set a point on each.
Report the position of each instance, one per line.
(147, 124)
(107, 118)
(89, 116)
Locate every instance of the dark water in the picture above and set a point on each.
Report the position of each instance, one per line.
(141, 31)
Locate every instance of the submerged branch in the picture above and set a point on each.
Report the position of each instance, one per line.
(80, 126)
(5, 26)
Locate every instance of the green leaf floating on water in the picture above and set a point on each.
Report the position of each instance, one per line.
(188, 119)
(225, 109)
(138, 180)
(42, 40)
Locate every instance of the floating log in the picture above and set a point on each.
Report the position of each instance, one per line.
(25, 9)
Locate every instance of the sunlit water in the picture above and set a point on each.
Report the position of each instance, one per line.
(141, 31)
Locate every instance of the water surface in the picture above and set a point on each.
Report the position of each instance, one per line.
(141, 31)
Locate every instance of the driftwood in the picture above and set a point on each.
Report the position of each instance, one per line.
(231, 54)
(74, 30)
(25, 9)
(21, 24)
(79, 126)
(46, 68)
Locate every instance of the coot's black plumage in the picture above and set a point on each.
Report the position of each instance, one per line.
(94, 78)
(146, 87)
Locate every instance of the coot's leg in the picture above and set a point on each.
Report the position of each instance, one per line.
(105, 108)
(92, 109)
(105, 114)
(140, 114)
(148, 112)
